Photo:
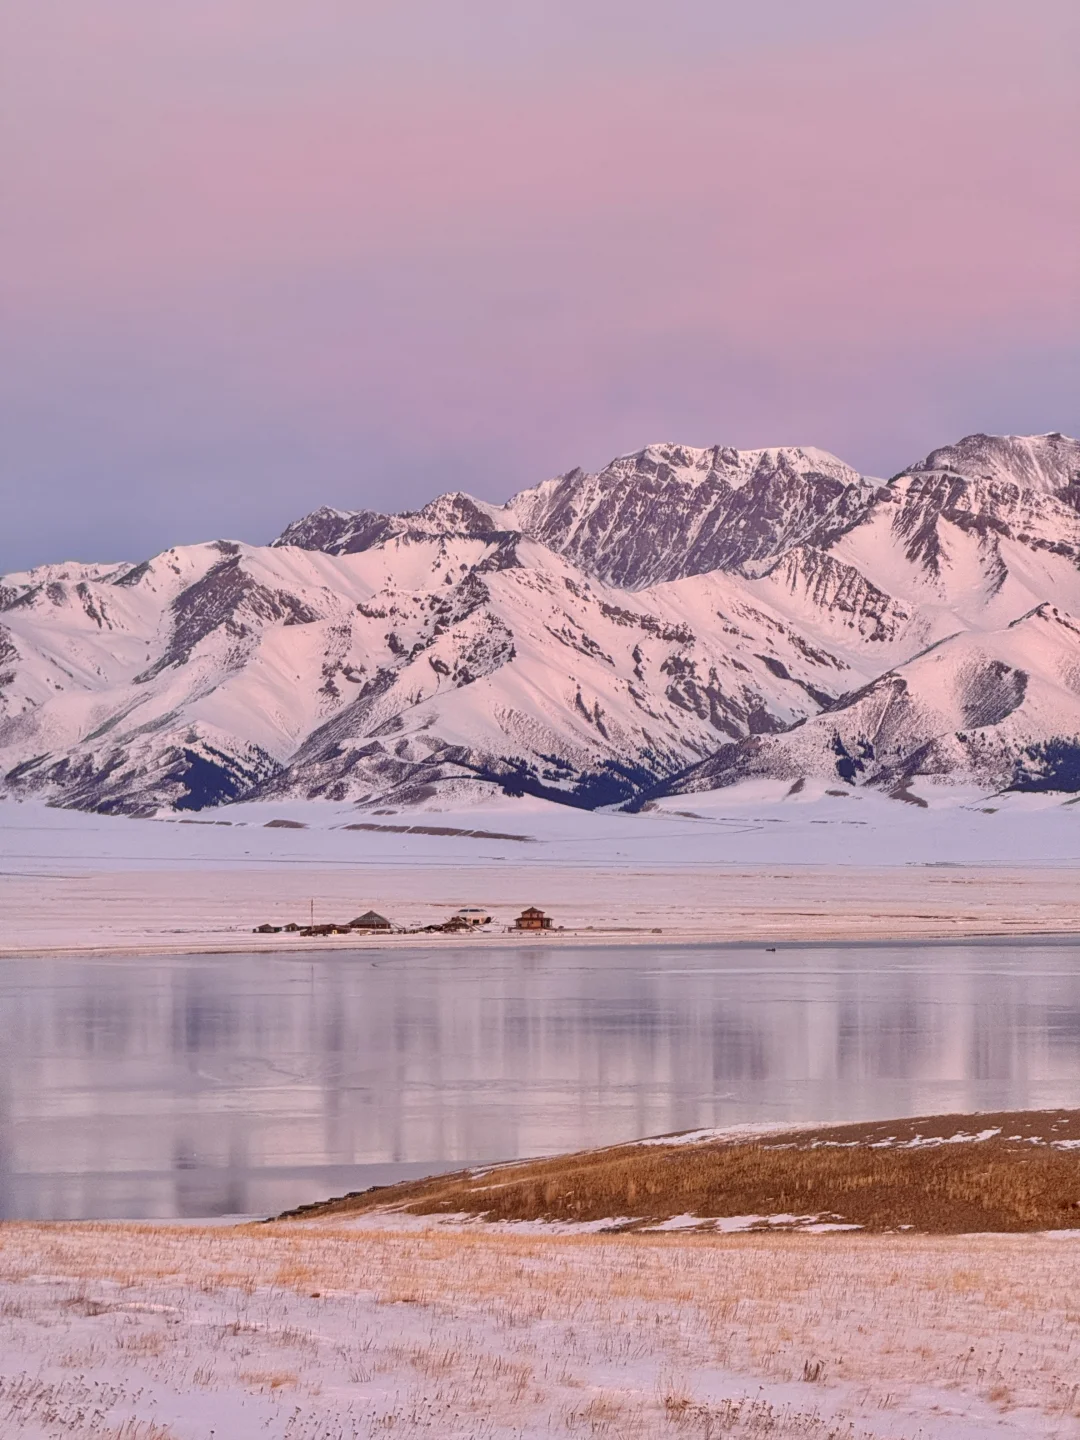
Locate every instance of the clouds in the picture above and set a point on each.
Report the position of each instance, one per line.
(262, 257)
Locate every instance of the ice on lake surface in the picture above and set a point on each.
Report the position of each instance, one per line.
(213, 1085)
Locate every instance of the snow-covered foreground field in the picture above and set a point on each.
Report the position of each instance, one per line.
(309, 1333)
(743, 864)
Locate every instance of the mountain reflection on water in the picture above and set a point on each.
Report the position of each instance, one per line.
(205, 1085)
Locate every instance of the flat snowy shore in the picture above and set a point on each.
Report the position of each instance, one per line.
(757, 866)
(316, 1333)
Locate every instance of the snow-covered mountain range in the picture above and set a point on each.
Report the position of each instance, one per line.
(679, 621)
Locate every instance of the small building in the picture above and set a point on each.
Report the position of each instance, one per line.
(267, 930)
(370, 920)
(532, 919)
(292, 928)
(470, 915)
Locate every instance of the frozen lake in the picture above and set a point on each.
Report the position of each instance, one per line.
(207, 1085)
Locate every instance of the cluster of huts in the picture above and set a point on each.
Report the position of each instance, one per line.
(372, 923)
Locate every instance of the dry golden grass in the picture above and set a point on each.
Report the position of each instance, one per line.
(862, 1175)
(269, 1379)
(138, 1430)
(584, 1335)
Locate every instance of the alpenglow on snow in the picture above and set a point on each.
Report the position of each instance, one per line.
(681, 620)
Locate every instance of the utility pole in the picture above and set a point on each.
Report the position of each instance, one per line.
(313, 913)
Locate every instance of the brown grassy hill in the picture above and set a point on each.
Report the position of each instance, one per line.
(946, 1174)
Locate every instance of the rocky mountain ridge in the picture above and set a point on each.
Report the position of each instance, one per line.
(683, 619)
(663, 513)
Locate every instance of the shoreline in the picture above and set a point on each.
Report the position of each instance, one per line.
(675, 943)
(385, 1204)
(290, 948)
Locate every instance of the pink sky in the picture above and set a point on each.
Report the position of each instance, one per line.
(265, 256)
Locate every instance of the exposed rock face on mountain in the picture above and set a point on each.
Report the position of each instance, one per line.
(663, 513)
(348, 532)
(682, 620)
(670, 511)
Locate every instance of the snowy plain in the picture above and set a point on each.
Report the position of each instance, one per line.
(748, 862)
(300, 1333)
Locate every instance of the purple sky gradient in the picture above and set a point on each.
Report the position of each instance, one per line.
(261, 256)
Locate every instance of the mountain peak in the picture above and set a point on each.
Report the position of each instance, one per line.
(1046, 463)
(458, 513)
(723, 463)
(338, 532)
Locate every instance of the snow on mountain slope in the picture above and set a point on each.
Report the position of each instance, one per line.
(994, 710)
(869, 594)
(554, 684)
(224, 670)
(1046, 463)
(938, 552)
(590, 639)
